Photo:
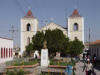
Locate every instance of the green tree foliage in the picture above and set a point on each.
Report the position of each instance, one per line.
(38, 40)
(16, 72)
(76, 47)
(29, 49)
(56, 41)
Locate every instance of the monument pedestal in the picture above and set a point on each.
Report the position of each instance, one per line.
(44, 58)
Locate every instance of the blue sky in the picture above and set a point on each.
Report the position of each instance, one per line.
(11, 11)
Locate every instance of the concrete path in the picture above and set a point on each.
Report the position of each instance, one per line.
(79, 69)
(2, 67)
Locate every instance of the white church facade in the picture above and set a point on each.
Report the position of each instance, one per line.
(6, 49)
(29, 27)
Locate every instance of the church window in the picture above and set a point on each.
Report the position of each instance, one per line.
(75, 27)
(75, 38)
(28, 40)
(28, 27)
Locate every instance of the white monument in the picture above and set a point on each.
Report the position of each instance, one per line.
(44, 56)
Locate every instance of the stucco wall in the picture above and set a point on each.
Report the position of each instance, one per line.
(7, 44)
(25, 34)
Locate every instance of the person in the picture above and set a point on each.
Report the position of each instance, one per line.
(88, 68)
(84, 66)
(87, 59)
(93, 72)
(83, 56)
(69, 70)
(94, 59)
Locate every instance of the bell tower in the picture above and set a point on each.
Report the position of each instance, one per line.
(76, 26)
(29, 26)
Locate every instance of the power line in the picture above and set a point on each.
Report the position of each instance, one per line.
(20, 6)
(13, 30)
(76, 4)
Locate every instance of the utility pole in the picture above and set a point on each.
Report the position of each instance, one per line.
(66, 21)
(13, 30)
(89, 40)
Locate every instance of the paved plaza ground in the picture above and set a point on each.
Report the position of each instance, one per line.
(79, 69)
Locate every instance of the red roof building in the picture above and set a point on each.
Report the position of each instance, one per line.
(75, 13)
(29, 14)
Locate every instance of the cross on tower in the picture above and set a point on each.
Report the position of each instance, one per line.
(13, 30)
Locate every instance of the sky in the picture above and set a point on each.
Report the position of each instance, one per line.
(11, 12)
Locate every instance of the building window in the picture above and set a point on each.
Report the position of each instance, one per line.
(75, 38)
(28, 27)
(75, 27)
(28, 40)
(1, 52)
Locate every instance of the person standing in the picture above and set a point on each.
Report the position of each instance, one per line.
(94, 60)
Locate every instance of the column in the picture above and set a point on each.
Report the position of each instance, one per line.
(9, 52)
(6, 52)
(0, 53)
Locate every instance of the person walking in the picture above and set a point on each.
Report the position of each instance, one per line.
(88, 68)
(84, 66)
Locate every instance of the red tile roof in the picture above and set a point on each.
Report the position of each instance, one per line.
(95, 42)
(75, 13)
(29, 14)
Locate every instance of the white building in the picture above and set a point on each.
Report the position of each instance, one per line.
(6, 49)
(29, 27)
(76, 26)
(53, 26)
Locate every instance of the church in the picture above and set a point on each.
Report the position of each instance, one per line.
(29, 27)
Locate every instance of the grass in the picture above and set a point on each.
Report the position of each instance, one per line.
(19, 62)
(26, 63)
(17, 72)
(52, 62)
(72, 62)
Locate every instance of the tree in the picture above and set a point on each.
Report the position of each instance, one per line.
(38, 40)
(29, 49)
(37, 43)
(76, 47)
(56, 41)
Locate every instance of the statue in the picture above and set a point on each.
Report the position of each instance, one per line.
(44, 55)
(45, 44)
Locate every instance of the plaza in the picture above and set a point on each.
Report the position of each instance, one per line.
(51, 37)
